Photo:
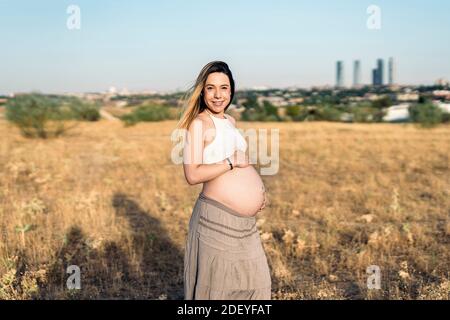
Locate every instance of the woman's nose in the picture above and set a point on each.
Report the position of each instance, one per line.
(217, 94)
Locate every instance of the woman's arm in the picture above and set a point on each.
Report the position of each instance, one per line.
(195, 171)
(205, 172)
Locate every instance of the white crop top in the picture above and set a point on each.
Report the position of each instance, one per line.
(227, 139)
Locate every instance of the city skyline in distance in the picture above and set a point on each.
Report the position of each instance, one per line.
(378, 74)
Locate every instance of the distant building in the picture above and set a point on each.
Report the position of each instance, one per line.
(442, 94)
(124, 92)
(442, 82)
(380, 66)
(297, 100)
(398, 113)
(276, 101)
(356, 73)
(372, 96)
(260, 88)
(391, 71)
(340, 74)
(403, 97)
(445, 107)
(378, 73)
(374, 77)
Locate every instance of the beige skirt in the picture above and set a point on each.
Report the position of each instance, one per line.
(224, 257)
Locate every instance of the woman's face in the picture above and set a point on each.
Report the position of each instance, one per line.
(217, 91)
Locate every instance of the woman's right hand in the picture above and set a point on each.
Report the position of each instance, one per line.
(239, 159)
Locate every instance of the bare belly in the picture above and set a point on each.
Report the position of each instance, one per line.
(241, 189)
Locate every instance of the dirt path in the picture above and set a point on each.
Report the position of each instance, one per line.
(108, 116)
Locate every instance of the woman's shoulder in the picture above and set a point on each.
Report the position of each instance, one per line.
(205, 119)
(203, 122)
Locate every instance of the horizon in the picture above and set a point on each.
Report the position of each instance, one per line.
(256, 88)
(136, 45)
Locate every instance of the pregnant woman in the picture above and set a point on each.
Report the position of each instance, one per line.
(224, 257)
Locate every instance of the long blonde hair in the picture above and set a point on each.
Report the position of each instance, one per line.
(193, 100)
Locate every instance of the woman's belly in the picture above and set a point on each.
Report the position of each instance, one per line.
(241, 189)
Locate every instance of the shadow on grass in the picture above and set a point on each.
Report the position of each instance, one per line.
(107, 271)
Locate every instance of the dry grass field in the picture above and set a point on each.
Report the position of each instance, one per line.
(108, 199)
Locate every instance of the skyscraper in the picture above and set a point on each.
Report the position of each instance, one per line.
(380, 66)
(377, 73)
(339, 74)
(374, 77)
(356, 73)
(391, 74)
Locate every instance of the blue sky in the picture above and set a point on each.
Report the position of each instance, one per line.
(162, 45)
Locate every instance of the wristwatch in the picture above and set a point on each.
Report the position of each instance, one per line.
(229, 162)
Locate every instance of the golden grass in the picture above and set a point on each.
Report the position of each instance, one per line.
(109, 199)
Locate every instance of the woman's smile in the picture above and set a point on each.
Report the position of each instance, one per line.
(217, 103)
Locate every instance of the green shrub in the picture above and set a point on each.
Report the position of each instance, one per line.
(366, 114)
(148, 113)
(382, 102)
(37, 115)
(270, 112)
(362, 114)
(255, 112)
(328, 113)
(446, 117)
(84, 111)
(303, 114)
(426, 114)
(293, 111)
